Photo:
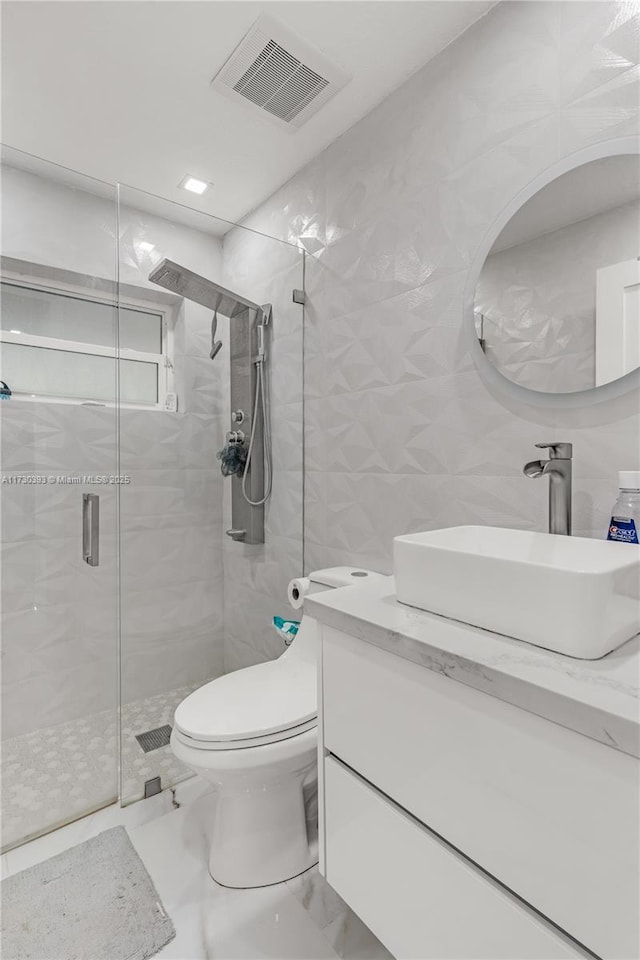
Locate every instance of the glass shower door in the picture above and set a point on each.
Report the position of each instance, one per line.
(59, 490)
(171, 511)
(195, 603)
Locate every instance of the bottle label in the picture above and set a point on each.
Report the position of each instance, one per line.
(623, 529)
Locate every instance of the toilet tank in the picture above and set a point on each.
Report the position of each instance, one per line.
(332, 577)
(305, 644)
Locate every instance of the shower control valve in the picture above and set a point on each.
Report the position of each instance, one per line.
(237, 416)
(235, 436)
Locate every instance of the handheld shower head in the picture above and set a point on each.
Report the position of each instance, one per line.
(215, 344)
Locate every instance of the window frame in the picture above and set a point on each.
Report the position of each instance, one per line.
(163, 360)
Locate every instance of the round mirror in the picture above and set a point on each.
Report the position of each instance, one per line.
(557, 303)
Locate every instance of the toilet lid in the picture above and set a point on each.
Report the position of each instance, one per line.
(252, 702)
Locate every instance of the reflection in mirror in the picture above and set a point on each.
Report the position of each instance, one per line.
(557, 304)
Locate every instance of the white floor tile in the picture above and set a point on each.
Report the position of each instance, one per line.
(352, 940)
(317, 897)
(302, 919)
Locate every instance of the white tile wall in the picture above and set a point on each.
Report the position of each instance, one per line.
(401, 431)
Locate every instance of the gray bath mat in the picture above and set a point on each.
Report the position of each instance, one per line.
(95, 901)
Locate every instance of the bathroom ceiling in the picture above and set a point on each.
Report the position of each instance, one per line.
(121, 90)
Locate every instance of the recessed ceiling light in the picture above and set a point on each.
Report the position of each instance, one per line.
(193, 185)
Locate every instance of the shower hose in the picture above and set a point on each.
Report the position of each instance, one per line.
(268, 472)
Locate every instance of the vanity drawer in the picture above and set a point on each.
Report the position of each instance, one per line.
(421, 898)
(551, 814)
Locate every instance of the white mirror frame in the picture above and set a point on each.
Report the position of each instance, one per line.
(490, 374)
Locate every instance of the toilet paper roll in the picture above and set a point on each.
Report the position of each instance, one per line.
(327, 579)
(297, 591)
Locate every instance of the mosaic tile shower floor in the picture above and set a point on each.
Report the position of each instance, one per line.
(52, 776)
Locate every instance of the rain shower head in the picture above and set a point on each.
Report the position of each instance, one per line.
(192, 286)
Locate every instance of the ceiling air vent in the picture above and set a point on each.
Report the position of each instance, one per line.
(280, 74)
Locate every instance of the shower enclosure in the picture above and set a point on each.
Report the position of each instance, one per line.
(121, 591)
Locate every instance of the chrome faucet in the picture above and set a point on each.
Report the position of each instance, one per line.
(558, 469)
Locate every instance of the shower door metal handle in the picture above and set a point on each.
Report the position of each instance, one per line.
(91, 529)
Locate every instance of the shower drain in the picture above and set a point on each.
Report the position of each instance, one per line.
(154, 739)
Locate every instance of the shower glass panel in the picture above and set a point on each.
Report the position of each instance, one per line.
(194, 603)
(58, 356)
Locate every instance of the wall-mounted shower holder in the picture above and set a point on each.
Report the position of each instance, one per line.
(248, 333)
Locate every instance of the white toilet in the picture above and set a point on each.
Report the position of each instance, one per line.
(252, 734)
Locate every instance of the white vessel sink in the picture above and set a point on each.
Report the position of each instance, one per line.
(572, 595)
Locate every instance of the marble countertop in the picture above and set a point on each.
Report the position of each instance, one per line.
(597, 698)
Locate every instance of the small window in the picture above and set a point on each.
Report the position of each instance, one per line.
(58, 344)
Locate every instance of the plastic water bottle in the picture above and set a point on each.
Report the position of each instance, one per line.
(625, 516)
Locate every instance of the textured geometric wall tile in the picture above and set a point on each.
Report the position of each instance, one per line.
(251, 259)
(593, 502)
(285, 369)
(406, 432)
(396, 429)
(251, 624)
(202, 386)
(19, 561)
(496, 501)
(149, 440)
(191, 658)
(199, 439)
(603, 45)
(268, 575)
(16, 436)
(365, 512)
(70, 438)
(52, 698)
(389, 343)
(287, 437)
(487, 437)
(159, 556)
(283, 511)
(196, 331)
(315, 500)
(609, 111)
(602, 449)
(17, 509)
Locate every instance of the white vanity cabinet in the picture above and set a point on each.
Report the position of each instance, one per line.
(460, 826)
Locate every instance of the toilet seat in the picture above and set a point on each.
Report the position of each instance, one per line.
(246, 744)
(264, 703)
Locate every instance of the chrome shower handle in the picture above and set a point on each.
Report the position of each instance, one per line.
(91, 529)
